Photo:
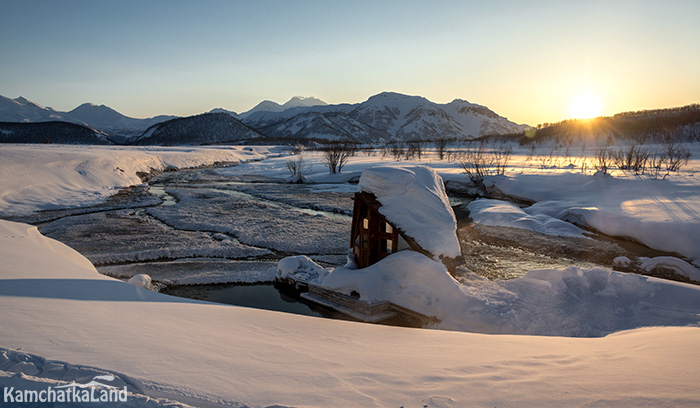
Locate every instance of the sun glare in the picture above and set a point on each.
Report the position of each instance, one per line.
(585, 106)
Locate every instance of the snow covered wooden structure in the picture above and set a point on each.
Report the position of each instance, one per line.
(403, 208)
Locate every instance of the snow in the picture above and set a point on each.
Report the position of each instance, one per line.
(39, 177)
(679, 266)
(662, 214)
(413, 198)
(557, 302)
(505, 214)
(141, 280)
(68, 318)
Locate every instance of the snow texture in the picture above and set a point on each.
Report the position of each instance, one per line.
(663, 214)
(557, 302)
(254, 223)
(63, 314)
(34, 177)
(413, 198)
(505, 214)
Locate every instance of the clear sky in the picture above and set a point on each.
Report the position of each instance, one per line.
(526, 60)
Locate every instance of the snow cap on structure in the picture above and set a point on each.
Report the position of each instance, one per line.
(413, 199)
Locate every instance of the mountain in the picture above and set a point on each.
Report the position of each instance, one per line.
(204, 129)
(50, 132)
(222, 110)
(331, 126)
(107, 119)
(24, 110)
(386, 116)
(297, 101)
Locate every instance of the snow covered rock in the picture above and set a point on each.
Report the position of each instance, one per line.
(677, 265)
(141, 280)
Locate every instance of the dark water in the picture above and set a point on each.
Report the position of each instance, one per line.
(259, 296)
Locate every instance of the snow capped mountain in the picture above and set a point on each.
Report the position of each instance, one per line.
(107, 119)
(103, 118)
(297, 101)
(417, 118)
(387, 116)
(204, 129)
(331, 126)
(24, 110)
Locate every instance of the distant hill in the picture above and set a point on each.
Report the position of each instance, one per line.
(102, 118)
(50, 132)
(204, 129)
(644, 125)
(107, 119)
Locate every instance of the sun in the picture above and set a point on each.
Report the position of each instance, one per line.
(585, 106)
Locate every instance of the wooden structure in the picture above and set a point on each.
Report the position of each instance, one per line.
(373, 237)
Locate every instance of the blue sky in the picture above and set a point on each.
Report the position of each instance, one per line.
(525, 60)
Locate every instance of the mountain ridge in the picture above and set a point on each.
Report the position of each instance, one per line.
(382, 118)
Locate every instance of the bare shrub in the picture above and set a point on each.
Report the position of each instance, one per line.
(397, 151)
(602, 159)
(440, 146)
(336, 156)
(677, 155)
(501, 158)
(479, 163)
(634, 159)
(297, 168)
(656, 162)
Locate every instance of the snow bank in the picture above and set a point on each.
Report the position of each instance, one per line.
(38, 177)
(677, 265)
(662, 214)
(413, 198)
(559, 302)
(63, 315)
(505, 214)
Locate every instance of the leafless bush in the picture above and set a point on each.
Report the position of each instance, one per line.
(397, 151)
(656, 162)
(479, 163)
(297, 168)
(602, 159)
(677, 155)
(501, 158)
(440, 146)
(414, 150)
(336, 156)
(634, 159)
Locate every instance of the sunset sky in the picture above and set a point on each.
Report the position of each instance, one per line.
(526, 60)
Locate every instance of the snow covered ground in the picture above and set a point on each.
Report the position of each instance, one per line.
(73, 323)
(39, 177)
(68, 319)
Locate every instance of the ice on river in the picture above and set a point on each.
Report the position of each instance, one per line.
(131, 236)
(253, 222)
(200, 271)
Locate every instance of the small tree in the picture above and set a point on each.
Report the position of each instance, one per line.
(297, 168)
(336, 156)
(602, 159)
(440, 146)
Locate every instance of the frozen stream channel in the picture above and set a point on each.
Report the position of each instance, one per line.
(205, 235)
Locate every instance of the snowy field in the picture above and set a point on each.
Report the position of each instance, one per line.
(72, 323)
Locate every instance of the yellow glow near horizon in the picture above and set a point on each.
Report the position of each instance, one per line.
(585, 106)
